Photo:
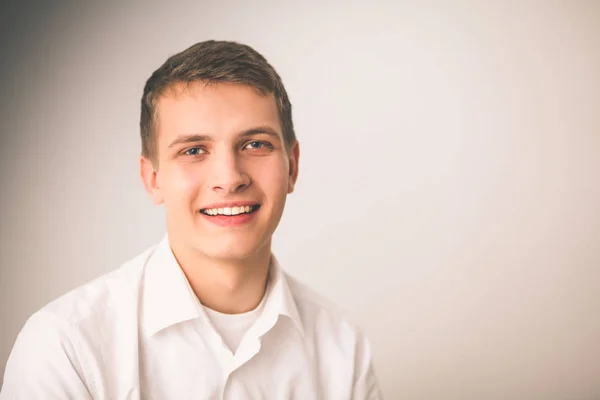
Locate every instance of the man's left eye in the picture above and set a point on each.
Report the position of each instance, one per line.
(255, 145)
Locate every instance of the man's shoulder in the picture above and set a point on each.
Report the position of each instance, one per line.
(103, 295)
(77, 325)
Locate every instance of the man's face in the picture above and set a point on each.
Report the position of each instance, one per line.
(223, 171)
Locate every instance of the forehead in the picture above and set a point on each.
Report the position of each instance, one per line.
(217, 110)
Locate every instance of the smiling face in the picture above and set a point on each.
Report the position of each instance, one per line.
(222, 170)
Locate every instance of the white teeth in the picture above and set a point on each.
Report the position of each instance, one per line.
(228, 210)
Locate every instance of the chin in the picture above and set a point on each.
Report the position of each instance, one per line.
(229, 249)
(228, 254)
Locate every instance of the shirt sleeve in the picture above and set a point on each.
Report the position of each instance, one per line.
(43, 363)
(366, 384)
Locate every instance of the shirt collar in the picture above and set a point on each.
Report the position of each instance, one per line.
(168, 298)
(280, 300)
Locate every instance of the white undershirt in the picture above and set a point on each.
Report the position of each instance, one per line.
(233, 327)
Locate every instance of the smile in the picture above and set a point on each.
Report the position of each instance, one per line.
(230, 211)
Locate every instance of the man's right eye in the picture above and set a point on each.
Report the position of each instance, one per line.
(194, 151)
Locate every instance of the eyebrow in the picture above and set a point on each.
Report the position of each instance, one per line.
(265, 130)
(181, 139)
(194, 138)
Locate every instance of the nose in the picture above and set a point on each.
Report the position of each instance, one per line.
(228, 174)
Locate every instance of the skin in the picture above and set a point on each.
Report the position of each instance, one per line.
(220, 143)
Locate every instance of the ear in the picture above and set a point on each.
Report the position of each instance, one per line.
(149, 179)
(294, 160)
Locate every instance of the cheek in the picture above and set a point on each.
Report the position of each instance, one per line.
(272, 176)
(182, 185)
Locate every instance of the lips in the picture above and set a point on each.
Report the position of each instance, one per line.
(230, 215)
(230, 211)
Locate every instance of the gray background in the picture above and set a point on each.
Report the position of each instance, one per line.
(449, 185)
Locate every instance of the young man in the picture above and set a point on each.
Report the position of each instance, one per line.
(208, 312)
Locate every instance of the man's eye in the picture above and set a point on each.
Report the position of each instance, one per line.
(194, 151)
(257, 145)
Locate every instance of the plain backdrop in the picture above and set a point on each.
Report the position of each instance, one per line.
(449, 190)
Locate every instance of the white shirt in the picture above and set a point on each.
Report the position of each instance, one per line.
(139, 333)
(233, 327)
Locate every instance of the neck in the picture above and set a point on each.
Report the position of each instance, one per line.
(230, 286)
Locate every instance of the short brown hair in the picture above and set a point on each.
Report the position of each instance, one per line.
(213, 62)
